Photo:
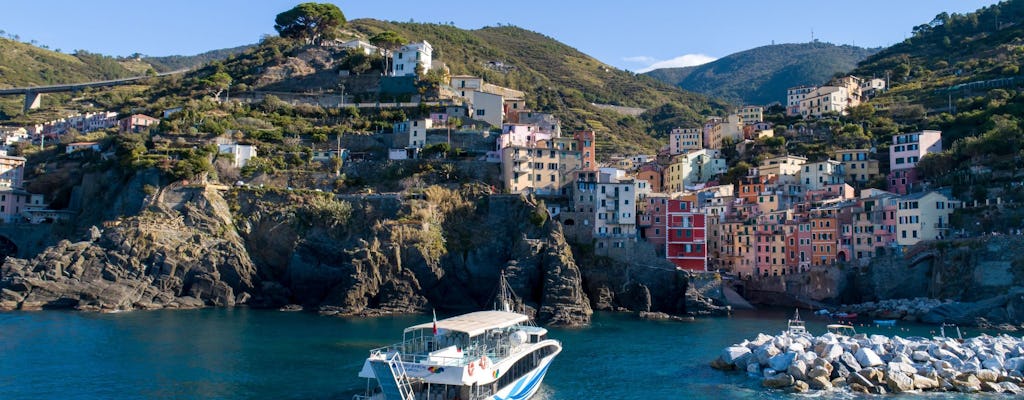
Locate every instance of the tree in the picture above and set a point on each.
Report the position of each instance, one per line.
(389, 41)
(217, 83)
(312, 22)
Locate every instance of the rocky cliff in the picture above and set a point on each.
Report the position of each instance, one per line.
(199, 245)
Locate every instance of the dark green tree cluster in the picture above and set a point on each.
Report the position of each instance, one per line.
(312, 22)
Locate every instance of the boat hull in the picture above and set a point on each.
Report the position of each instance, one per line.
(526, 386)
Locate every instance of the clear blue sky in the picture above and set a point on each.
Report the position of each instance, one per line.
(632, 35)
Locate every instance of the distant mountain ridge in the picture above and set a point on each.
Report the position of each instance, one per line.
(761, 75)
(176, 62)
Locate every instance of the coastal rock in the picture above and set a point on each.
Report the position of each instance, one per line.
(781, 362)
(1011, 387)
(920, 356)
(722, 365)
(967, 383)
(778, 381)
(564, 302)
(798, 369)
(925, 383)
(987, 375)
(850, 361)
(857, 378)
(799, 387)
(991, 387)
(867, 357)
(897, 382)
(820, 383)
(765, 352)
(817, 372)
(733, 353)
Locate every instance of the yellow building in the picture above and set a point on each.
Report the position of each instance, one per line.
(858, 165)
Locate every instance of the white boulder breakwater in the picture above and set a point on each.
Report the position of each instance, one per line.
(880, 364)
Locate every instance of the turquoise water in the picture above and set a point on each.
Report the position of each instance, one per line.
(255, 354)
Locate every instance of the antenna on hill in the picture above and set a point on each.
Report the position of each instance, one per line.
(812, 35)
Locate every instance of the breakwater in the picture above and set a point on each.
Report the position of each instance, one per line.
(878, 364)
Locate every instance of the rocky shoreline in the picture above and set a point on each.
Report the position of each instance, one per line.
(1004, 312)
(878, 364)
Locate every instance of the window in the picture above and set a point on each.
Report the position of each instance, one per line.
(481, 112)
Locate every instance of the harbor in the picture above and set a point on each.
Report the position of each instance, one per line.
(842, 359)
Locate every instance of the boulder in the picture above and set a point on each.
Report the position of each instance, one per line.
(967, 383)
(867, 357)
(858, 388)
(839, 370)
(857, 379)
(839, 382)
(1011, 387)
(778, 381)
(799, 387)
(992, 387)
(897, 382)
(850, 361)
(733, 353)
(987, 375)
(765, 352)
(781, 362)
(831, 352)
(905, 369)
(820, 383)
(818, 372)
(721, 365)
(925, 383)
(798, 369)
(920, 356)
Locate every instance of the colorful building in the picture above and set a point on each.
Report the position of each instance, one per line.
(686, 235)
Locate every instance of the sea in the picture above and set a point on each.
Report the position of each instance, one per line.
(241, 353)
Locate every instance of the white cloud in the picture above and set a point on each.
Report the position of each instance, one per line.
(640, 59)
(686, 60)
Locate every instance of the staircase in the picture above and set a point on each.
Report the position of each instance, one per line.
(394, 383)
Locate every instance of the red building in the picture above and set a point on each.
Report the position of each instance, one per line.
(686, 235)
(588, 154)
(652, 220)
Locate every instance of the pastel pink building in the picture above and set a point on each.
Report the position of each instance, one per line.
(905, 152)
(12, 198)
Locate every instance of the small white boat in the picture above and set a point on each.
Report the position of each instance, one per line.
(492, 355)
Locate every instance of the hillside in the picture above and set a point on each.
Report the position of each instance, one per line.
(762, 75)
(556, 77)
(22, 64)
(176, 62)
(960, 73)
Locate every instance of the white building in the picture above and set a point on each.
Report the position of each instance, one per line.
(488, 107)
(828, 99)
(242, 152)
(908, 148)
(412, 133)
(816, 176)
(405, 60)
(360, 45)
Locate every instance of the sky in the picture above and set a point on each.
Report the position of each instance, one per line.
(636, 35)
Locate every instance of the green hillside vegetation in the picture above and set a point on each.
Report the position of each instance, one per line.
(557, 78)
(762, 75)
(176, 62)
(960, 73)
(22, 64)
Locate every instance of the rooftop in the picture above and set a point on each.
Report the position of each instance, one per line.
(475, 323)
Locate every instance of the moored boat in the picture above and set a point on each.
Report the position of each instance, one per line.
(885, 322)
(492, 355)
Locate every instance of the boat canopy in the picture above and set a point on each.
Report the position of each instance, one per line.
(475, 323)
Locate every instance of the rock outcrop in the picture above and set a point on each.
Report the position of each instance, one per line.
(180, 255)
(195, 246)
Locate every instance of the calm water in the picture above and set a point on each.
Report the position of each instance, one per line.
(254, 354)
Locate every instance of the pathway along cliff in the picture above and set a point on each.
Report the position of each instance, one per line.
(195, 246)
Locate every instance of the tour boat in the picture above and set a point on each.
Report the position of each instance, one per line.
(885, 322)
(484, 355)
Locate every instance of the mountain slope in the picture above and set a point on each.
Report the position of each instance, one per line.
(557, 78)
(762, 75)
(22, 64)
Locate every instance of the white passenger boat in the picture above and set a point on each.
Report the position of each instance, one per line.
(492, 355)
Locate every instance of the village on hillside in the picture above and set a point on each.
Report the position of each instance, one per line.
(786, 216)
